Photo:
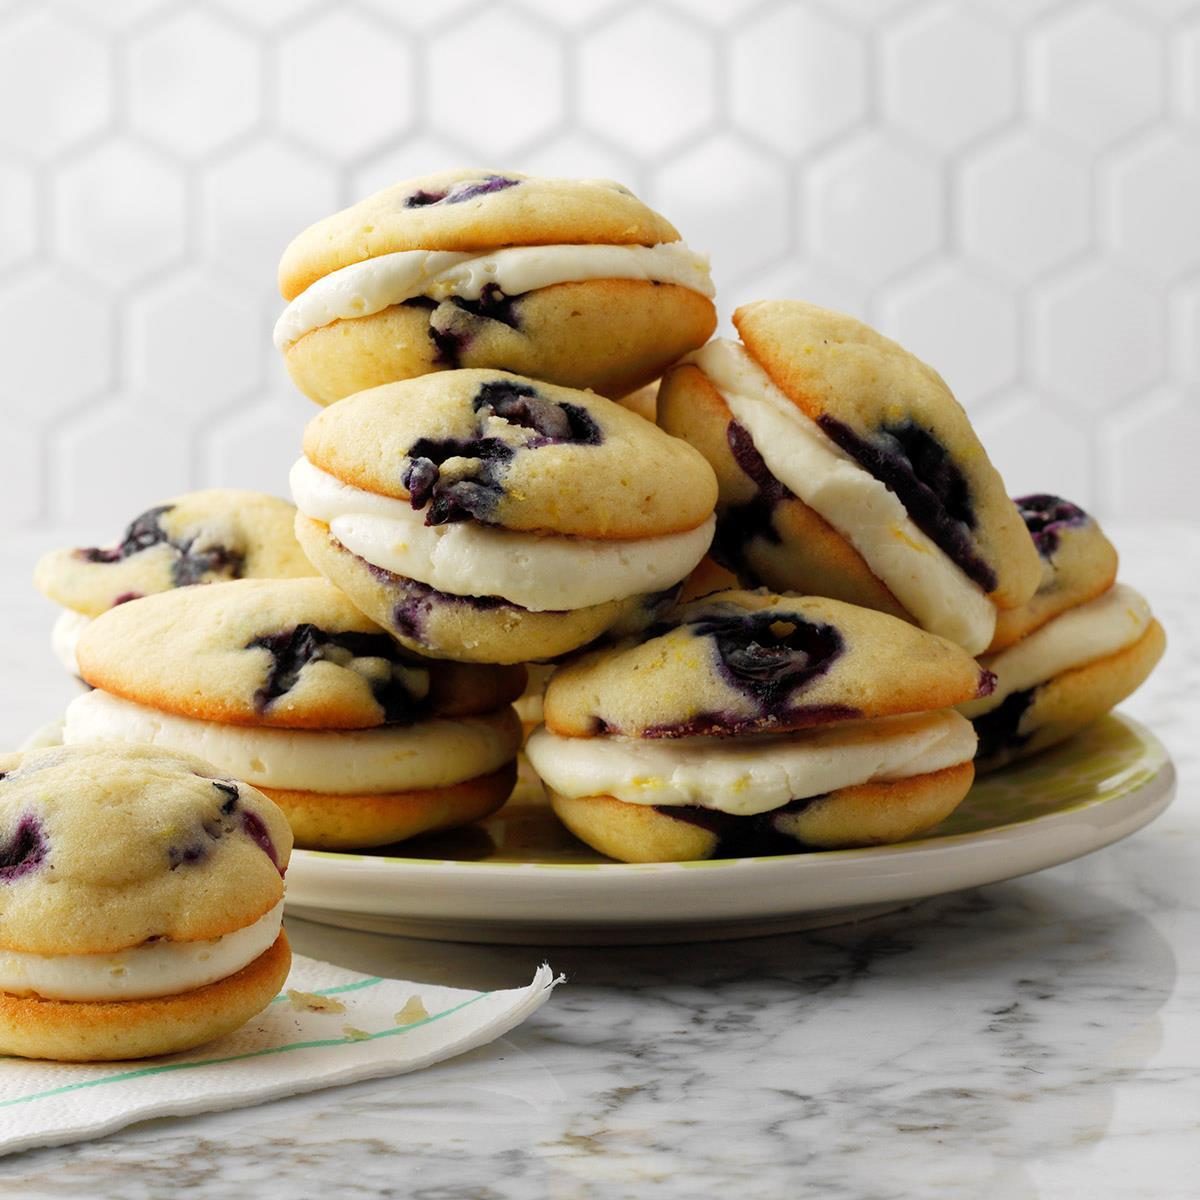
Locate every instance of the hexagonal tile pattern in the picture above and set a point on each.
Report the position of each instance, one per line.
(57, 344)
(1095, 74)
(172, 71)
(115, 13)
(722, 13)
(729, 201)
(964, 326)
(634, 94)
(345, 84)
(255, 202)
(120, 459)
(195, 345)
(21, 479)
(39, 47)
(1036, 449)
(1098, 337)
(119, 213)
(577, 153)
(19, 215)
(1018, 12)
(1010, 186)
(796, 78)
(422, 17)
(871, 13)
(816, 282)
(872, 208)
(269, 13)
(1186, 47)
(256, 447)
(1185, 328)
(1155, 199)
(1149, 456)
(949, 75)
(1025, 206)
(418, 156)
(1168, 10)
(574, 15)
(478, 95)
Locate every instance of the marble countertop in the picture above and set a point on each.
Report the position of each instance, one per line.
(1037, 1038)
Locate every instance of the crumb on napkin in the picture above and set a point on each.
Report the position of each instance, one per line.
(311, 1002)
(414, 1010)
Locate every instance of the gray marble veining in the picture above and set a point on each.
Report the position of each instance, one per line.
(1038, 1038)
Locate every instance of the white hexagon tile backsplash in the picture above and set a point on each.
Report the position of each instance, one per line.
(1011, 187)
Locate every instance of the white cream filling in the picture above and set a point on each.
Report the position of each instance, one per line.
(539, 572)
(65, 635)
(391, 758)
(377, 283)
(748, 775)
(926, 581)
(1074, 638)
(141, 972)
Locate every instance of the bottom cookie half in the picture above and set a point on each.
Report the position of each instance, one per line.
(1040, 717)
(865, 815)
(609, 335)
(107, 1030)
(323, 821)
(471, 628)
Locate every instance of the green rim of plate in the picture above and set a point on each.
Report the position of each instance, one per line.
(1104, 763)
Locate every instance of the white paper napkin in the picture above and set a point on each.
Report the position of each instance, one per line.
(388, 1027)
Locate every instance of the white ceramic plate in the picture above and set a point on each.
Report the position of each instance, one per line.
(519, 877)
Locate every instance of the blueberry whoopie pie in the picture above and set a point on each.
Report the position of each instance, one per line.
(201, 537)
(141, 900)
(1079, 647)
(285, 684)
(751, 723)
(486, 517)
(1078, 563)
(574, 281)
(848, 469)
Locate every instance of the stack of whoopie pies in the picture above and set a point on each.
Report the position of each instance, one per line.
(786, 605)
(474, 494)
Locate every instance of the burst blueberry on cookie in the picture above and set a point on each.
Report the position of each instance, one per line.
(1078, 563)
(201, 537)
(574, 281)
(141, 899)
(1079, 647)
(285, 684)
(848, 469)
(486, 517)
(749, 723)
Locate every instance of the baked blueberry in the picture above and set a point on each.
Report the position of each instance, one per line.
(1046, 517)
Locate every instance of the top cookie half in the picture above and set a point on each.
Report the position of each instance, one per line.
(105, 848)
(284, 653)
(740, 662)
(470, 209)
